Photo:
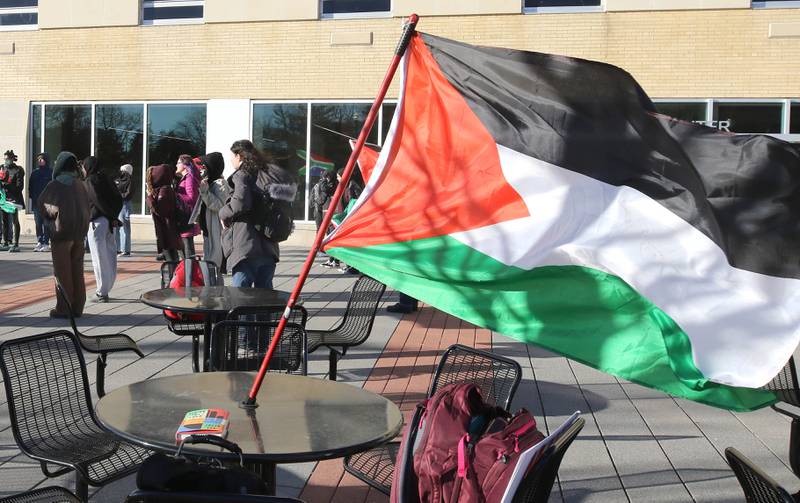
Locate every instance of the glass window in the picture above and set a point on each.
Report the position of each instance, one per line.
(36, 132)
(172, 11)
(333, 7)
(775, 3)
(749, 117)
(794, 127)
(333, 125)
(68, 127)
(539, 4)
(285, 123)
(119, 137)
(687, 111)
(18, 14)
(388, 114)
(175, 129)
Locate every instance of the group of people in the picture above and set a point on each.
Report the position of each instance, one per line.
(185, 199)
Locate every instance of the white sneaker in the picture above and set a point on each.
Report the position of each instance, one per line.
(38, 247)
(45, 248)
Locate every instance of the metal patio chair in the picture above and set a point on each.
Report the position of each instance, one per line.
(496, 376)
(538, 484)
(51, 494)
(785, 385)
(758, 487)
(298, 315)
(242, 344)
(189, 327)
(51, 412)
(101, 345)
(355, 326)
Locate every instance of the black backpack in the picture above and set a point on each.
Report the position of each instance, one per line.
(278, 223)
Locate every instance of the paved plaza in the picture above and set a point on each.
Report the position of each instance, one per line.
(638, 445)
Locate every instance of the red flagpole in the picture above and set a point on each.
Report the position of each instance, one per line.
(408, 32)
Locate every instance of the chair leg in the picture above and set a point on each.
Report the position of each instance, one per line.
(332, 360)
(81, 488)
(195, 353)
(794, 447)
(101, 375)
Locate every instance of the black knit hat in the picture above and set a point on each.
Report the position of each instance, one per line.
(11, 155)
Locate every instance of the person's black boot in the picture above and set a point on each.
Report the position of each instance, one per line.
(400, 308)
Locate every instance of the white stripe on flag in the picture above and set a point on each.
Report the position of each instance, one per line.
(743, 326)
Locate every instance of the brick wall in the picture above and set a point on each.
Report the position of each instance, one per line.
(724, 53)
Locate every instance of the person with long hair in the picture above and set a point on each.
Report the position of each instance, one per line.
(252, 255)
(214, 193)
(105, 204)
(187, 192)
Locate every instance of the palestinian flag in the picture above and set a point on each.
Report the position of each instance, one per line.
(367, 159)
(544, 198)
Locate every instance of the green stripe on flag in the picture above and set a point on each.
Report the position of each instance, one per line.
(582, 313)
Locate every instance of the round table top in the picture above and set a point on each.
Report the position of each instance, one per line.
(297, 419)
(213, 299)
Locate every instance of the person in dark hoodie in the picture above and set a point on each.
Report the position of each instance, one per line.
(161, 201)
(125, 187)
(64, 207)
(105, 203)
(12, 181)
(40, 177)
(251, 255)
(214, 194)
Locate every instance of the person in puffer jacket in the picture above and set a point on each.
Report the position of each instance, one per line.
(253, 258)
(161, 201)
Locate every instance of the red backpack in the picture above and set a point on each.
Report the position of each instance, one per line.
(465, 450)
(178, 281)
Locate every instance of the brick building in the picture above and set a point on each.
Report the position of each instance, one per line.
(141, 81)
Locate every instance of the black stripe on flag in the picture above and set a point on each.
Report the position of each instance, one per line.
(742, 191)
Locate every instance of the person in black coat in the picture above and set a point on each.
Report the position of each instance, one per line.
(124, 183)
(40, 177)
(105, 203)
(12, 181)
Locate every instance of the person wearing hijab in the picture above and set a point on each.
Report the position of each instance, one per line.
(125, 188)
(214, 194)
(12, 181)
(161, 201)
(105, 203)
(187, 193)
(40, 177)
(64, 209)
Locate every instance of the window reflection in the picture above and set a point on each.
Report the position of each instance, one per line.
(119, 136)
(330, 7)
(750, 117)
(388, 114)
(283, 125)
(686, 111)
(173, 130)
(68, 127)
(794, 127)
(36, 132)
(332, 127)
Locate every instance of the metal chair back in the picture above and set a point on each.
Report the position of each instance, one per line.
(785, 384)
(298, 315)
(241, 345)
(209, 270)
(50, 494)
(758, 487)
(538, 484)
(496, 376)
(359, 315)
(70, 313)
(48, 392)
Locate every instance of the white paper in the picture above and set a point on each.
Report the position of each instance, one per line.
(532, 454)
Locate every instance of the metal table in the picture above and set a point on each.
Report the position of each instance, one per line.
(298, 418)
(214, 302)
